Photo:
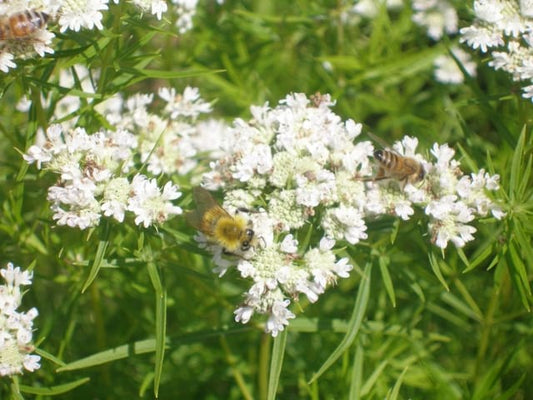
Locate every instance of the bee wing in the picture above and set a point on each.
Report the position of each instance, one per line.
(194, 219)
(204, 200)
(207, 211)
(379, 140)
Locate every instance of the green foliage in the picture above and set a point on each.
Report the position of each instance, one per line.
(132, 313)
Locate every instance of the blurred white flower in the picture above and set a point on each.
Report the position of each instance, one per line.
(503, 29)
(437, 16)
(16, 328)
(447, 71)
(77, 14)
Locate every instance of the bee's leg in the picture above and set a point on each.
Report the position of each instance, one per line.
(378, 177)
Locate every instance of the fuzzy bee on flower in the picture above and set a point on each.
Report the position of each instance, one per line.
(232, 232)
(395, 166)
(392, 165)
(22, 25)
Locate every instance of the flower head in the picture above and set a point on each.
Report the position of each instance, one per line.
(15, 327)
(306, 169)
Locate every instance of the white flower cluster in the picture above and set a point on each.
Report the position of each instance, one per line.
(437, 16)
(370, 8)
(172, 140)
(185, 9)
(446, 69)
(92, 183)
(71, 15)
(301, 164)
(16, 328)
(504, 28)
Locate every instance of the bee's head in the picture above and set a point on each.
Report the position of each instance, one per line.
(421, 174)
(378, 155)
(246, 243)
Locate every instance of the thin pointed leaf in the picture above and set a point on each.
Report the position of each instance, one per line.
(114, 354)
(357, 374)
(516, 270)
(354, 324)
(160, 324)
(463, 257)
(372, 379)
(436, 270)
(387, 281)
(513, 390)
(97, 263)
(516, 165)
(396, 389)
(481, 256)
(53, 390)
(276, 362)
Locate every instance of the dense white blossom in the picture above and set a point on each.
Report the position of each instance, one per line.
(169, 140)
(75, 15)
(370, 8)
(437, 16)
(447, 70)
(16, 328)
(503, 28)
(97, 170)
(301, 167)
(93, 179)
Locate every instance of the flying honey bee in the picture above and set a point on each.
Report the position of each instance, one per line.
(394, 166)
(232, 232)
(22, 25)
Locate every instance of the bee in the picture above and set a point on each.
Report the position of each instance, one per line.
(394, 166)
(22, 25)
(232, 232)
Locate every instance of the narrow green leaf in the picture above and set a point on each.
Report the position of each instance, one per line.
(276, 362)
(436, 269)
(395, 230)
(354, 324)
(372, 379)
(15, 389)
(524, 184)
(513, 390)
(460, 306)
(520, 267)
(151, 73)
(489, 382)
(49, 357)
(516, 165)
(396, 389)
(482, 254)
(117, 353)
(357, 374)
(53, 390)
(160, 324)
(524, 243)
(517, 271)
(302, 324)
(97, 263)
(446, 314)
(387, 281)
(154, 277)
(463, 257)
